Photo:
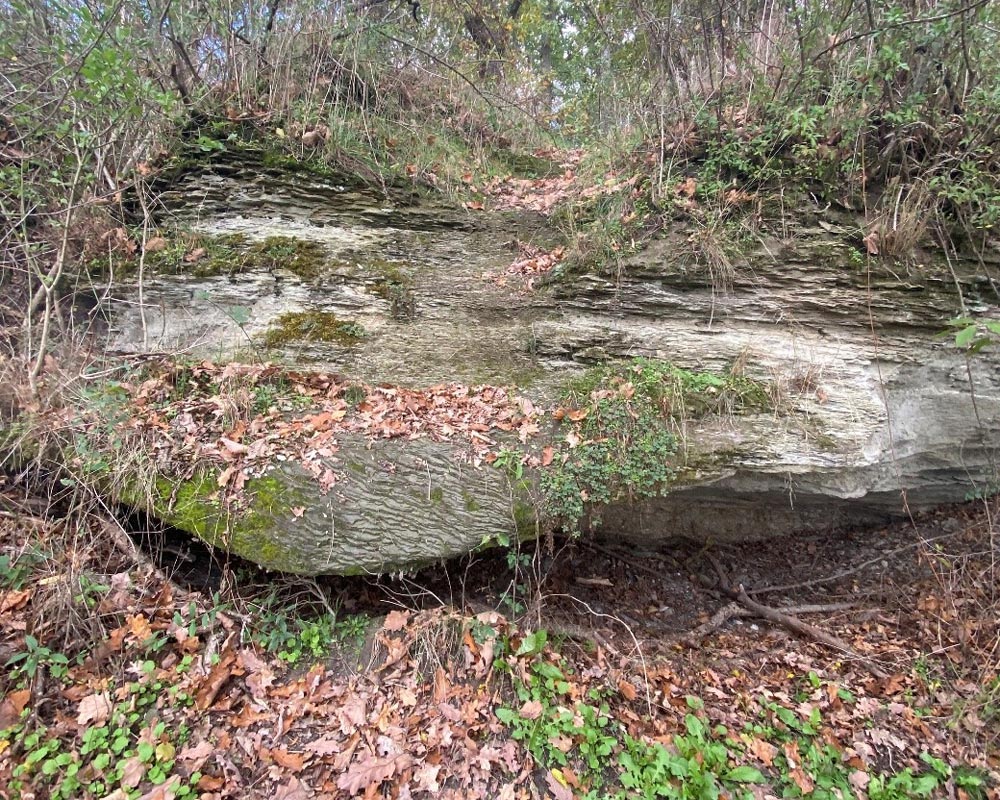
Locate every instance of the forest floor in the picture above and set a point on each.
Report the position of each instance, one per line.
(564, 674)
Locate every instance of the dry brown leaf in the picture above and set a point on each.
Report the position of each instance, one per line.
(396, 620)
(687, 188)
(224, 476)
(167, 791)
(802, 780)
(139, 627)
(290, 761)
(442, 685)
(94, 709)
(532, 709)
(211, 783)
(11, 601)
(216, 679)
(426, 778)
(559, 790)
(872, 243)
(371, 771)
(196, 755)
(627, 689)
(12, 706)
(764, 751)
(352, 714)
(133, 771)
(326, 746)
(859, 780)
(294, 789)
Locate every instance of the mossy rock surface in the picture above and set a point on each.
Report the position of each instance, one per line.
(396, 506)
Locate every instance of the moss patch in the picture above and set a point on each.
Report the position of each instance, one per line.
(394, 286)
(205, 256)
(313, 326)
(249, 531)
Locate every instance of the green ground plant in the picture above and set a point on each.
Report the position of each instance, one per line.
(621, 424)
(296, 636)
(129, 746)
(702, 761)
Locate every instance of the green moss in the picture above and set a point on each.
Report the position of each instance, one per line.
(229, 254)
(527, 520)
(313, 326)
(394, 286)
(305, 259)
(437, 495)
(679, 392)
(250, 530)
(355, 395)
(471, 504)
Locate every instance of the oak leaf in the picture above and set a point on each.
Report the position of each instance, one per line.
(371, 771)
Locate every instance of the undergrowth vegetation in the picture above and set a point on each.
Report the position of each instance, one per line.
(622, 428)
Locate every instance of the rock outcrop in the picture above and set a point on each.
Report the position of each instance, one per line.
(871, 413)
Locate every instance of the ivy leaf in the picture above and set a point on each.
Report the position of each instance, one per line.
(532, 643)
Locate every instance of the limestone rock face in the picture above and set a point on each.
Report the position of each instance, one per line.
(874, 414)
(877, 415)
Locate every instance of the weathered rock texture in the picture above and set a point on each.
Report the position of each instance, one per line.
(875, 414)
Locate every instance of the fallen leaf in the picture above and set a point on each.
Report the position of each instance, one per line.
(196, 755)
(139, 627)
(371, 771)
(290, 761)
(224, 476)
(764, 751)
(167, 791)
(11, 601)
(426, 778)
(802, 780)
(395, 620)
(859, 780)
(294, 789)
(133, 771)
(326, 746)
(872, 243)
(94, 709)
(548, 453)
(532, 709)
(218, 676)
(12, 706)
(560, 791)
